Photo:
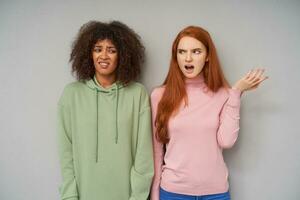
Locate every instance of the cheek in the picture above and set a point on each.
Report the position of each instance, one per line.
(201, 60)
(180, 65)
(94, 57)
(180, 61)
(115, 59)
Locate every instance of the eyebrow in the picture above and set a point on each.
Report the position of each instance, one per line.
(109, 47)
(192, 49)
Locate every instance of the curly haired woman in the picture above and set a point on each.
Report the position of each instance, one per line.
(104, 118)
(195, 117)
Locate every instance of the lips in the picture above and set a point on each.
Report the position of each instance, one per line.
(189, 67)
(103, 64)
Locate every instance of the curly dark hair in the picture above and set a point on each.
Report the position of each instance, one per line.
(131, 51)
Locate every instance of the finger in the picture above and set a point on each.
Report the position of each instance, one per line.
(254, 86)
(253, 74)
(248, 74)
(261, 72)
(260, 80)
(257, 75)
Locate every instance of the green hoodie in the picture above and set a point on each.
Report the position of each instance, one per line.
(105, 144)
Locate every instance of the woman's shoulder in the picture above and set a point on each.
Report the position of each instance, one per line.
(70, 89)
(223, 91)
(136, 88)
(73, 86)
(157, 93)
(136, 85)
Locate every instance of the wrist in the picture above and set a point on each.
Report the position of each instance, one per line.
(237, 88)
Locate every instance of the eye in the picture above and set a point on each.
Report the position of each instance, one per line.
(112, 51)
(181, 51)
(97, 49)
(196, 51)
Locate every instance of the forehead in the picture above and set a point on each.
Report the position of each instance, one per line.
(190, 43)
(105, 42)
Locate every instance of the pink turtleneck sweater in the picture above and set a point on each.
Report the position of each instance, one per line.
(193, 162)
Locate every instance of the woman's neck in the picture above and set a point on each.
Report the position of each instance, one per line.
(198, 80)
(106, 81)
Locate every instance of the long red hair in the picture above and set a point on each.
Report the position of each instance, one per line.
(174, 83)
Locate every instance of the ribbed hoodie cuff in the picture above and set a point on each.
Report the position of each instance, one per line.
(234, 97)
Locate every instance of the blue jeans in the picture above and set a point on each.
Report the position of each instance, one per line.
(164, 195)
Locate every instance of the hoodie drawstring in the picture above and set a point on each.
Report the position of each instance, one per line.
(97, 126)
(117, 103)
(97, 118)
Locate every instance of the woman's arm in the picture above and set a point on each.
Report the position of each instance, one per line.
(157, 149)
(68, 189)
(142, 170)
(230, 114)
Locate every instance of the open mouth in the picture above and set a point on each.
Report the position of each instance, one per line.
(189, 67)
(103, 64)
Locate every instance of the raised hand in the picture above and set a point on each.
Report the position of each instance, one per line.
(251, 80)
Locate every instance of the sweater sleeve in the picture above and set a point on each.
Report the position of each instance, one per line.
(68, 188)
(157, 150)
(142, 169)
(229, 120)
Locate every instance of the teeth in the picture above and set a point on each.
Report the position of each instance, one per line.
(103, 64)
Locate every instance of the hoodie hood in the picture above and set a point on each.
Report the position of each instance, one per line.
(99, 91)
(94, 85)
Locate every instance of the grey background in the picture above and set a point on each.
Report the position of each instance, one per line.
(35, 39)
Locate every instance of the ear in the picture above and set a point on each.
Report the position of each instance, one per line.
(206, 60)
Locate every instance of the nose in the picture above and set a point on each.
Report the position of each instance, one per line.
(104, 54)
(188, 57)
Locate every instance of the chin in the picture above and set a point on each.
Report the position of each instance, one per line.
(105, 72)
(190, 75)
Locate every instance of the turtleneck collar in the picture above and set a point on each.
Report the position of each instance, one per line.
(196, 81)
(194, 84)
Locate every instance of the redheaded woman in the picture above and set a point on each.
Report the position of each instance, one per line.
(195, 116)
